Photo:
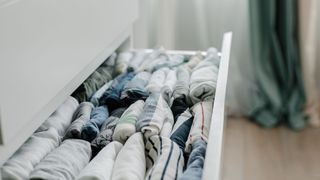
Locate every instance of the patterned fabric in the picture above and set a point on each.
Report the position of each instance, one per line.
(168, 85)
(157, 80)
(64, 162)
(153, 116)
(81, 117)
(127, 123)
(201, 123)
(181, 129)
(106, 133)
(164, 159)
(181, 88)
(97, 95)
(92, 128)
(23, 161)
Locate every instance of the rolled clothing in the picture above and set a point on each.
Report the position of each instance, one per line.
(181, 88)
(157, 80)
(97, 95)
(164, 159)
(150, 60)
(122, 62)
(81, 117)
(92, 128)
(107, 130)
(131, 162)
(168, 85)
(97, 79)
(168, 124)
(203, 80)
(201, 123)
(181, 129)
(62, 117)
(136, 61)
(171, 62)
(153, 116)
(136, 88)
(23, 161)
(194, 61)
(111, 97)
(196, 160)
(178, 106)
(100, 168)
(65, 162)
(126, 125)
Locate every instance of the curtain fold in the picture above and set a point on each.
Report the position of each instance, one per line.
(279, 97)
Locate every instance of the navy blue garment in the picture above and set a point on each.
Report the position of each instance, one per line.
(196, 160)
(92, 128)
(178, 106)
(180, 136)
(111, 97)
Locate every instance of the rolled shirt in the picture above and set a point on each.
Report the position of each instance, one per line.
(203, 80)
(157, 80)
(172, 61)
(150, 60)
(194, 61)
(126, 125)
(111, 96)
(81, 117)
(168, 85)
(153, 116)
(201, 123)
(181, 129)
(181, 88)
(97, 95)
(122, 62)
(196, 160)
(64, 162)
(130, 162)
(107, 130)
(100, 168)
(137, 60)
(92, 128)
(23, 161)
(62, 117)
(136, 88)
(164, 158)
(178, 106)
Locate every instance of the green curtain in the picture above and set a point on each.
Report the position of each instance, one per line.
(279, 97)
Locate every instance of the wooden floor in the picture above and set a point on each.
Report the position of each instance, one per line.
(253, 153)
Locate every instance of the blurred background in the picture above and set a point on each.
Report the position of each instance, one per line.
(273, 86)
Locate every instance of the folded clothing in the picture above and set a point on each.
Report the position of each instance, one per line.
(150, 60)
(195, 163)
(62, 117)
(122, 62)
(23, 161)
(136, 88)
(126, 125)
(111, 97)
(153, 116)
(194, 61)
(164, 158)
(100, 168)
(203, 80)
(181, 88)
(168, 86)
(64, 162)
(181, 129)
(130, 162)
(172, 61)
(97, 79)
(107, 130)
(168, 124)
(178, 106)
(201, 123)
(97, 95)
(136, 61)
(157, 80)
(92, 128)
(81, 116)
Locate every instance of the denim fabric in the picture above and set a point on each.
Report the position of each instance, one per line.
(92, 128)
(111, 97)
(195, 162)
